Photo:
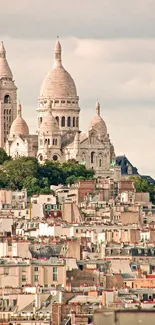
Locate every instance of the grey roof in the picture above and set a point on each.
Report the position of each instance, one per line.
(46, 250)
(124, 163)
(127, 276)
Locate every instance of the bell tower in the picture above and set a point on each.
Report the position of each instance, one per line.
(8, 97)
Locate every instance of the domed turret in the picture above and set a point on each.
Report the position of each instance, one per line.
(58, 83)
(19, 126)
(97, 123)
(49, 124)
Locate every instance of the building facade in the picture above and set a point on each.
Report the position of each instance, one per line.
(59, 137)
(8, 97)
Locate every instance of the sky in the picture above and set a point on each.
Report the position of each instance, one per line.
(109, 50)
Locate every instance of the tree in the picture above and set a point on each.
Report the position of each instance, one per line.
(17, 170)
(3, 179)
(142, 185)
(26, 172)
(70, 179)
(3, 156)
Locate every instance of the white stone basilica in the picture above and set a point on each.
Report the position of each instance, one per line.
(58, 137)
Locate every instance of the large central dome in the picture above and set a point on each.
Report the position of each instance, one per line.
(58, 83)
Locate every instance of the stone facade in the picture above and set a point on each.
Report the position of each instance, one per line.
(59, 137)
(8, 95)
(65, 141)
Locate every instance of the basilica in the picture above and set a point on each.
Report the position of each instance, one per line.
(59, 137)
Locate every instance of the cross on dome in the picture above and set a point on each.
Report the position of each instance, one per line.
(19, 109)
(98, 108)
(58, 60)
(2, 50)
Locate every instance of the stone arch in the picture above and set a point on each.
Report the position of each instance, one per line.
(55, 157)
(7, 99)
(63, 121)
(57, 119)
(55, 142)
(92, 157)
(100, 160)
(68, 121)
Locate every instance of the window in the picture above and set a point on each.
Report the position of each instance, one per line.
(77, 122)
(48, 199)
(23, 269)
(41, 119)
(63, 121)
(6, 271)
(36, 278)
(68, 121)
(23, 278)
(55, 142)
(7, 99)
(55, 274)
(73, 121)
(48, 141)
(63, 102)
(55, 158)
(56, 101)
(92, 157)
(57, 119)
(36, 269)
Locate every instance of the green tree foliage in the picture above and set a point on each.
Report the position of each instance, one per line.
(26, 172)
(142, 185)
(3, 156)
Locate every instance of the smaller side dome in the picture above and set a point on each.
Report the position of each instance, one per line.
(97, 123)
(19, 126)
(49, 123)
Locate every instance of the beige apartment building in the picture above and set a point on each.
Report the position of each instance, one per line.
(18, 273)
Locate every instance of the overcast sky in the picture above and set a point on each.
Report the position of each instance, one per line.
(108, 48)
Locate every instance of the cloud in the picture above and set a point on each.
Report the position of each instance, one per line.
(108, 48)
(82, 19)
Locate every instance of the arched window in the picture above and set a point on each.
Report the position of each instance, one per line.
(68, 121)
(83, 156)
(41, 119)
(92, 157)
(55, 142)
(55, 157)
(63, 121)
(57, 119)
(7, 99)
(48, 141)
(77, 122)
(100, 160)
(73, 121)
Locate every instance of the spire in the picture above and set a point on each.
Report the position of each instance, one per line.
(57, 52)
(19, 110)
(2, 50)
(98, 108)
(4, 67)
